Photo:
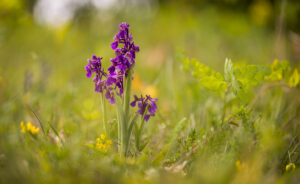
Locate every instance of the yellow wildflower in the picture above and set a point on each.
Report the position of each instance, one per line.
(102, 143)
(290, 166)
(34, 130)
(30, 128)
(239, 166)
(102, 136)
(99, 145)
(28, 125)
(294, 79)
(23, 128)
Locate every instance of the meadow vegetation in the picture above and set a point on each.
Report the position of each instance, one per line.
(223, 104)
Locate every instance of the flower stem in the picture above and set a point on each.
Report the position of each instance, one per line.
(139, 130)
(127, 93)
(120, 123)
(126, 117)
(105, 123)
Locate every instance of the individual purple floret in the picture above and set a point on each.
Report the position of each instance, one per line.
(146, 106)
(109, 95)
(94, 65)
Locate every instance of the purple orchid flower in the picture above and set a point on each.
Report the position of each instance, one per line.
(125, 51)
(146, 106)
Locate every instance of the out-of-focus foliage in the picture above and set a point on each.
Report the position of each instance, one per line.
(209, 78)
(241, 77)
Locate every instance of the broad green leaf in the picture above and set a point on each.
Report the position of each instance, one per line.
(279, 70)
(213, 83)
(208, 77)
(130, 129)
(239, 90)
(251, 75)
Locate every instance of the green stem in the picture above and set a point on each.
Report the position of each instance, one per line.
(142, 125)
(127, 91)
(105, 123)
(120, 122)
(129, 131)
(123, 116)
(139, 134)
(137, 137)
(139, 130)
(126, 100)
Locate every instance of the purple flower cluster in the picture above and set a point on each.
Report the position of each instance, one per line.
(120, 65)
(147, 106)
(125, 57)
(95, 66)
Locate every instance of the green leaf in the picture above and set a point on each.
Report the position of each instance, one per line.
(239, 90)
(158, 158)
(130, 130)
(237, 86)
(141, 148)
(120, 115)
(208, 77)
(186, 64)
(37, 117)
(251, 75)
(213, 83)
(279, 70)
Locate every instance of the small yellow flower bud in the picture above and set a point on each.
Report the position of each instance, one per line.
(290, 166)
(28, 125)
(34, 130)
(23, 128)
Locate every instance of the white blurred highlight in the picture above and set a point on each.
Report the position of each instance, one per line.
(58, 12)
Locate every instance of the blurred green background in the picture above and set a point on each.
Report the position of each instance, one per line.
(44, 46)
